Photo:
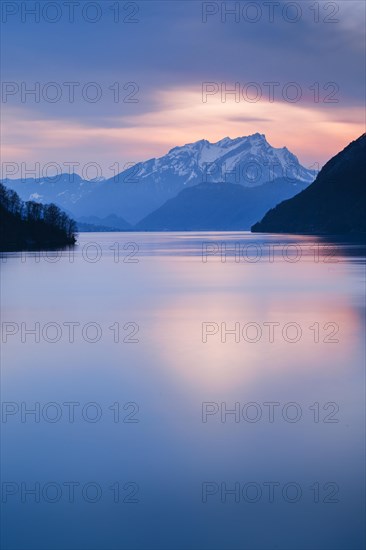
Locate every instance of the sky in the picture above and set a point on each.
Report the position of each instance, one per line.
(120, 82)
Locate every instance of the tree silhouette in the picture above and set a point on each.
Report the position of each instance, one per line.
(31, 224)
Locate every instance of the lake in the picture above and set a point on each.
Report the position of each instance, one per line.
(184, 391)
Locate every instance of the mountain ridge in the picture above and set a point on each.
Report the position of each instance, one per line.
(333, 204)
(136, 192)
(216, 206)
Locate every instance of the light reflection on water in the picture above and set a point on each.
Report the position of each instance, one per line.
(180, 281)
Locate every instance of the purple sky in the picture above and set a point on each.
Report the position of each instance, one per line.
(135, 83)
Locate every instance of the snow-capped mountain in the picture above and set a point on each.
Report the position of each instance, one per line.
(249, 161)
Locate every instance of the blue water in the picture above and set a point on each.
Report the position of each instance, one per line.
(153, 425)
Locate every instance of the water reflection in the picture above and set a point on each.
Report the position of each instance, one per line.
(270, 405)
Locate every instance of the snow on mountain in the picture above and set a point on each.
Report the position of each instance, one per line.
(249, 161)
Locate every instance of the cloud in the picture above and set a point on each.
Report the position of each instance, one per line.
(169, 53)
(180, 117)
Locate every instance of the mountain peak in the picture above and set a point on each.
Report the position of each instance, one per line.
(254, 138)
(247, 160)
(224, 142)
(258, 136)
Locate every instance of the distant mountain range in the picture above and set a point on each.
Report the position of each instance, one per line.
(334, 204)
(109, 223)
(133, 195)
(217, 207)
(65, 190)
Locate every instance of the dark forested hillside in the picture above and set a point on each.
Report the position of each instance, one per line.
(334, 204)
(30, 225)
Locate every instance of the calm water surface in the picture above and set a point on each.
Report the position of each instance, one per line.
(189, 391)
